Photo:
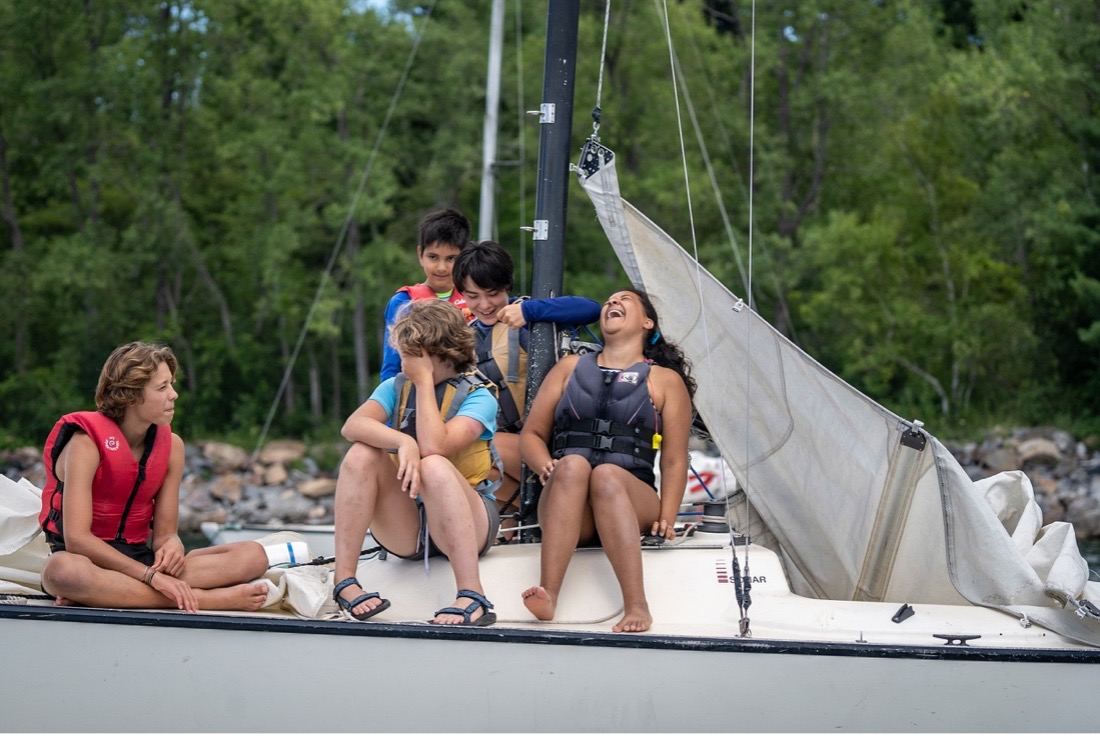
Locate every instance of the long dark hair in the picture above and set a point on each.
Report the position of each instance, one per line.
(658, 349)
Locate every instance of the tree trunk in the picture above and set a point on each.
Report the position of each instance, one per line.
(336, 411)
(316, 410)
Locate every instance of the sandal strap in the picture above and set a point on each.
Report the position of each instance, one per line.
(466, 613)
(336, 589)
(478, 598)
(361, 599)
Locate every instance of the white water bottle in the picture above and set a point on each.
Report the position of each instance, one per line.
(284, 553)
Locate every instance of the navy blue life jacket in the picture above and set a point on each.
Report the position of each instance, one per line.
(607, 416)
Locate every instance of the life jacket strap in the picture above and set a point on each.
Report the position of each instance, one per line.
(607, 427)
(622, 445)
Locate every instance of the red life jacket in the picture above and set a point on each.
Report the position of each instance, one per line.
(122, 489)
(423, 291)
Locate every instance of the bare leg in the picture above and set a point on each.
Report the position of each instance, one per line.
(457, 523)
(366, 474)
(566, 520)
(76, 579)
(616, 497)
(224, 565)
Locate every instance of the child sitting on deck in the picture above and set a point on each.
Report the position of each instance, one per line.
(483, 273)
(592, 436)
(421, 457)
(111, 503)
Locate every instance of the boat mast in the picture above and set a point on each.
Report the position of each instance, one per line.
(487, 212)
(556, 123)
(555, 130)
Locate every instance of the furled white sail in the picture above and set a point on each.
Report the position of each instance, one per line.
(863, 505)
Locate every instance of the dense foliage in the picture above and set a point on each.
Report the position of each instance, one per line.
(924, 185)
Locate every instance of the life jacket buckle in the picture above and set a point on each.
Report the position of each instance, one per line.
(603, 442)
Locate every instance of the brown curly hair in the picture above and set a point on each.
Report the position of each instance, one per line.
(126, 373)
(434, 327)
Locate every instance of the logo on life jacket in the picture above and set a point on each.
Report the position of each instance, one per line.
(112, 443)
(629, 377)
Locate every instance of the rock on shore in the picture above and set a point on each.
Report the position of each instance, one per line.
(1064, 471)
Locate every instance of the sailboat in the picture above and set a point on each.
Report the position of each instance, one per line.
(864, 584)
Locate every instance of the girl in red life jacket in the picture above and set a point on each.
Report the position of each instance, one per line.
(592, 435)
(111, 503)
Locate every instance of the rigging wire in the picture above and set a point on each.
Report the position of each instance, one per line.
(342, 236)
(748, 331)
(597, 110)
(742, 582)
(719, 121)
(712, 176)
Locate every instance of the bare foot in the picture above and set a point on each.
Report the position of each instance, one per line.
(368, 605)
(243, 597)
(540, 602)
(635, 618)
(455, 618)
(63, 601)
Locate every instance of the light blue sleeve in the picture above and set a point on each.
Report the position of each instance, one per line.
(481, 405)
(385, 395)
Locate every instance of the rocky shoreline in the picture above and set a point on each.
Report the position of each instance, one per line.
(290, 482)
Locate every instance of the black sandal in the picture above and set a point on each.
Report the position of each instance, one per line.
(479, 601)
(348, 605)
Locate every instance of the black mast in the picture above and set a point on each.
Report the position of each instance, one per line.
(556, 123)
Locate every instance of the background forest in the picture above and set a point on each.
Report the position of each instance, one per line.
(925, 188)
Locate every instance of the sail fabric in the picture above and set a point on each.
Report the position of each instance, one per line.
(861, 503)
(23, 549)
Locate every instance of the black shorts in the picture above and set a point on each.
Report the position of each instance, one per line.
(494, 526)
(140, 552)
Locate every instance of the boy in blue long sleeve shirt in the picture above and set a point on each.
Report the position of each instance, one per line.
(482, 272)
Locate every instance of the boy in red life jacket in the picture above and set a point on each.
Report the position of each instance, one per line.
(483, 272)
(111, 503)
(441, 237)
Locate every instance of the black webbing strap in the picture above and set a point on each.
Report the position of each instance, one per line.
(622, 445)
(150, 440)
(608, 428)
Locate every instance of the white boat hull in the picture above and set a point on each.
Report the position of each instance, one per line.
(810, 665)
(335, 676)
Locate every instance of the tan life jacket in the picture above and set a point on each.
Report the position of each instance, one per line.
(476, 460)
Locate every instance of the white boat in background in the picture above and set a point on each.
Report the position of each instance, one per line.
(320, 537)
(869, 585)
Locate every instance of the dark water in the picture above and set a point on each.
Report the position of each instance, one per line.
(1091, 551)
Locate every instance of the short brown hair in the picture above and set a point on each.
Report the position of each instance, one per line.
(126, 373)
(435, 327)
